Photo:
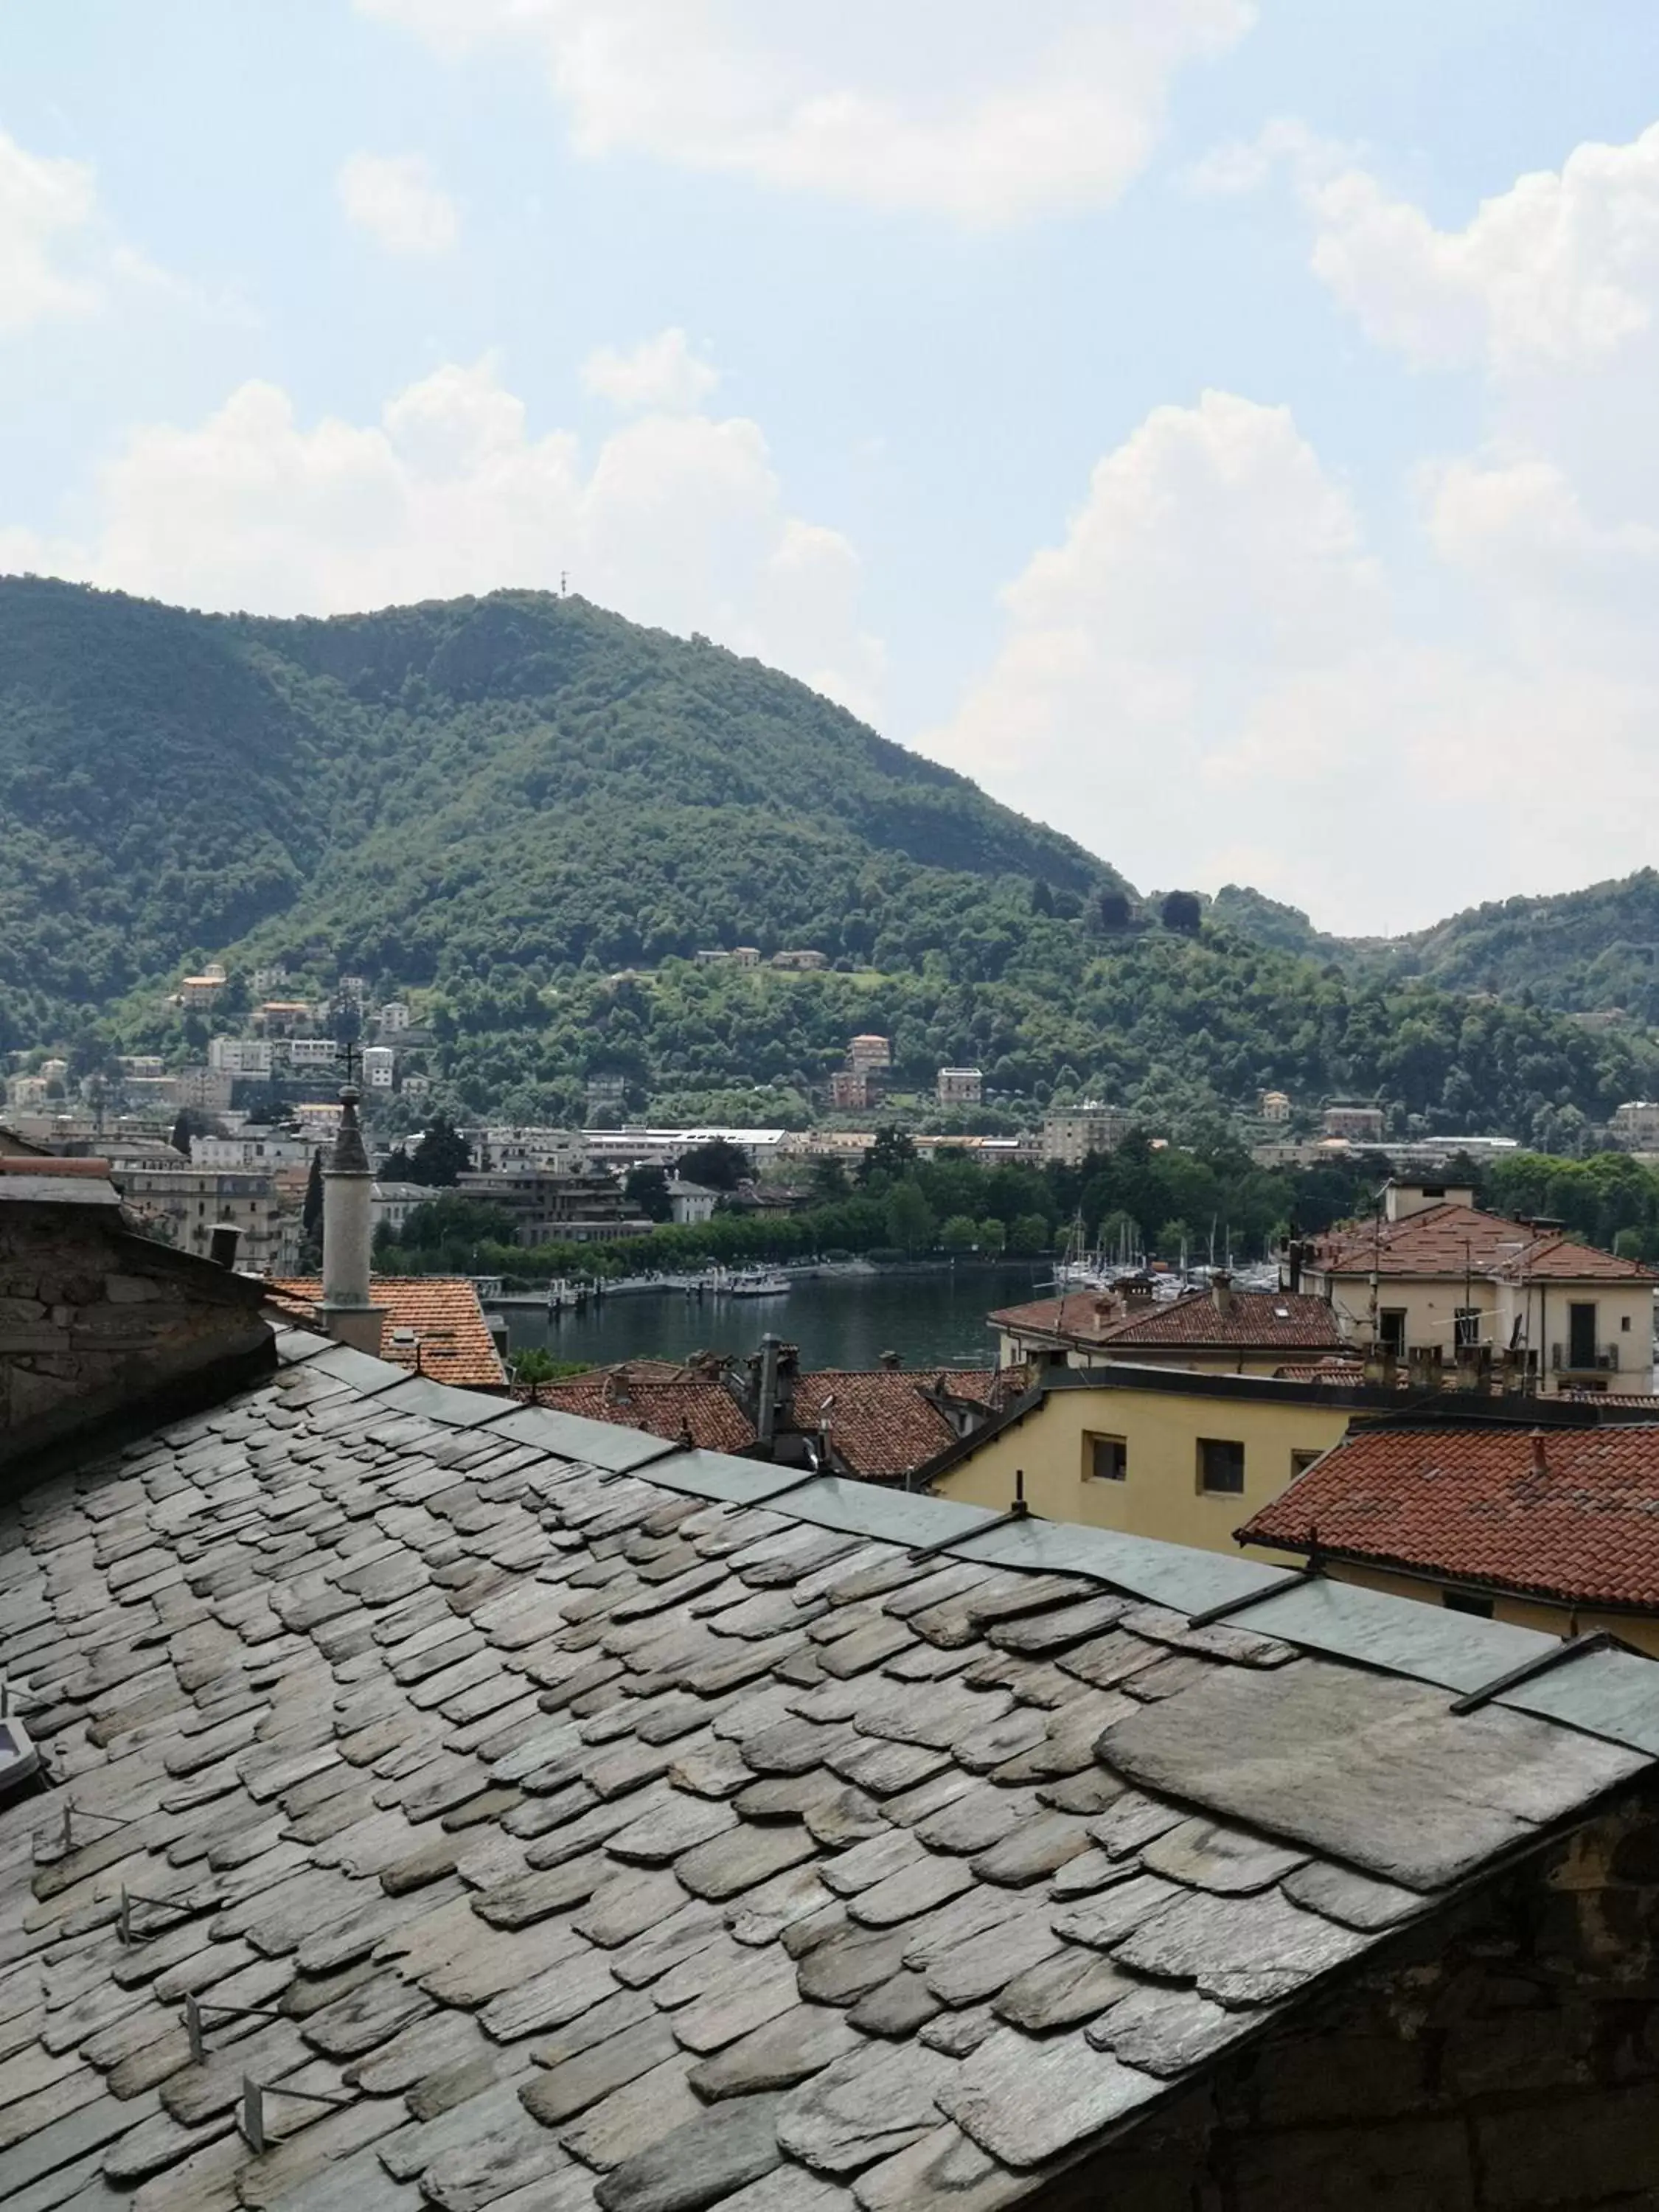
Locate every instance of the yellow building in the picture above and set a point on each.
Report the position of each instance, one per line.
(1542, 1517)
(1434, 1274)
(1172, 1455)
(1219, 1330)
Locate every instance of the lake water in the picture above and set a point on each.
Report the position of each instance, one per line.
(933, 1319)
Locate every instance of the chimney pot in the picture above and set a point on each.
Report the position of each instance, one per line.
(221, 1248)
(1221, 1291)
(1540, 1464)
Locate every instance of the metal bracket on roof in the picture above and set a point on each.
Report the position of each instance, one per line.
(196, 2027)
(1018, 1510)
(788, 1489)
(1574, 1647)
(1231, 1606)
(251, 2118)
(132, 1897)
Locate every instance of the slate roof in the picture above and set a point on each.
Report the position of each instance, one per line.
(1447, 1240)
(600, 1824)
(1470, 1505)
(454, 1344)
(1270, 1321)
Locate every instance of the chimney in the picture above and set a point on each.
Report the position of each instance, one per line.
(346, 1310)
(766, 1394)
(1221, 1292)
(222, 1246)
(1540, 1465)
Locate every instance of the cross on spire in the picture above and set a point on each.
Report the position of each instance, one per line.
(350, 1058)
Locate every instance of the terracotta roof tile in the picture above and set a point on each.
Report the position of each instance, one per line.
(454, 1344)
(675, 1406)
(882, 1426)
(1469, 1504)
(1447, 1240)
(1288, 1321)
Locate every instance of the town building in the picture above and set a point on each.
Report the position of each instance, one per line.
(252, 1146)
(141, 1067)
(802, 959)
(282, 1017)
(241, 1056)
(551, 1208)
(1357, 1122)
(1078, 1870)
(1433, 1274)
(1219, 1330)
(416, 1085)
(394, 1018)
(853, 1091)
(1070, 1134)
(197, 994)
(634, 1146)
(321, 1052)
(391, 1204)
(1634, 1127)
(1176, 1455)
(379, 1065)
(959, 1086)
(737, 955)
(266, 982)
(511, 1149)
(430, 1325)
(606, 1094)
(186, 1204)
(691, 1202)
(870, 1055)
(1275, 1106)
(207, 1088)
(1539, 1515)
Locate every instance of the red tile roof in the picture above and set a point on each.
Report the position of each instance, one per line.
(1469, 1506)
(453, 1341)
(1449, 1240)
(1272, 1320)
(678, 1406)
(881, 1424)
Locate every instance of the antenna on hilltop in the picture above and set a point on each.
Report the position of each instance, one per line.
(565, 583)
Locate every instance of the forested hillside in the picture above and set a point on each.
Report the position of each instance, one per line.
(498, 807)
(1589, 951)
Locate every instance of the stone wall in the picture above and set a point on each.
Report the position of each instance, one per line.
(95, 1321)
(1507, 2063)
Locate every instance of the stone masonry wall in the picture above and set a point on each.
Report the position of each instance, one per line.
(1509, 2066)
(93, 1320)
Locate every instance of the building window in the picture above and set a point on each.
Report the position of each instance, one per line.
(1465, 1602)
(1391, 1325)
(1624, 1323)
(1580, 1335)
(1108, 1459)
(1302, 1461)
(1220, 1466)
(1465, 1322)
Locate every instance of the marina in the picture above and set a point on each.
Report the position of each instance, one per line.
(842, 1317)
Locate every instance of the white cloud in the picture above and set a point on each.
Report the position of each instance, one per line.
(679, 520)
(45, 207)
(1217, 672)
(956, 107)
(393, 198)
(661, 373)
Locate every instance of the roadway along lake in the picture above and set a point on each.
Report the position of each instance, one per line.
(931, 1318)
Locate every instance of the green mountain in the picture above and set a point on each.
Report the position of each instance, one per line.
(1589, 952)
(495, 806)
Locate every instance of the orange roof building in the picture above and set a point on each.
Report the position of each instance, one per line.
(1219, 1330)
(433, 1325)
(1547, 1519)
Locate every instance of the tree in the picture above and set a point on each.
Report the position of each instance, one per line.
(1029, 1237)
(993, 1235)
(1043, 899)
(1175, 1238)
(311, 1213)
(827, 1180)
(909, 1218)
(1113, 911)
(960, 1233)
(451, 1219)
(1183, 911)
(718, 1165)
(893, 1154)
(647, 1187)
(443, 1155)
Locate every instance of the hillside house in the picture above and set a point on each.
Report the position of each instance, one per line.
(1433, 1273)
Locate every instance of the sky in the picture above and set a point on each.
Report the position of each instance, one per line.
(1224, 428)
